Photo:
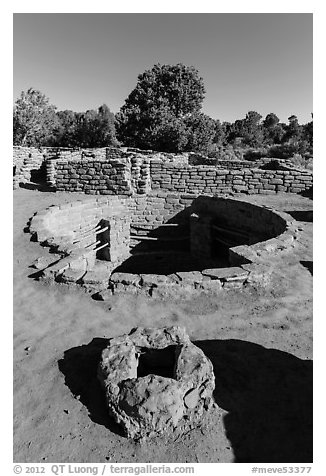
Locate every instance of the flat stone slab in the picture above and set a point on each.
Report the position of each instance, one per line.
(226, 274)
(190, 276)
(71, 276)
(156, 381)
(154, 280)
(44, 261)
(95, 277)
(125, 278)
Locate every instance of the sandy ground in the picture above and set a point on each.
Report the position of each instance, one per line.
(260, 343)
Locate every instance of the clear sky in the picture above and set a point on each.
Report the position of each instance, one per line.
(249, 61)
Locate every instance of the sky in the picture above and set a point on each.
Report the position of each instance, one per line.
(248, 61)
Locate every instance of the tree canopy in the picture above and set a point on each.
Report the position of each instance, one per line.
(36, 122)
(34, 119)
(162, 113)
(163, 109)
(93, 128)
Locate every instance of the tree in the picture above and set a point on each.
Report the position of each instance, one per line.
(65, 133)
(34, 119)
(86, 129)
(164, 97)
(96, 128)
(273, 130)
(253, 134)
(220, 133)
(201, 130)
(293, 130)
(271, 120)
(248, 129)
(307, 133)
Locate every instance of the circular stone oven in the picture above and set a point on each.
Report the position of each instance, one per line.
(156, 381)
(106, 244)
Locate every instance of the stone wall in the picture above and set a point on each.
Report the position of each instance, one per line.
(75, 225)
(111, 171)
(132, 174)
(75, 233)
(93, 177)
(25, 160)
(210, 180)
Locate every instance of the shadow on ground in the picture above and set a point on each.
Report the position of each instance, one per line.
(308, 265)
(307, 193)
(301, 215)
(41, 187)
(267, 394)
(79, 366)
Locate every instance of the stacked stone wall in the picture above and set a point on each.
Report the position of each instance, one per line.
(94, 177)
(114, 171)
(210, 180)
(26, 159)
(65, 227)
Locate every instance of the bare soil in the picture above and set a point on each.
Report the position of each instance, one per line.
(260, 343)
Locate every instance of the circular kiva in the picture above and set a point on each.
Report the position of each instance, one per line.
(156, 381)
(162, 245)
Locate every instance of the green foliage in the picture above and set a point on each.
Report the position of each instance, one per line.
(293, 130)
(220, 133)
(228, 152)
(163, 110)
(307, 133)
(249, 131)
(64, 135)
(270, 121)
(34, 119)
(96, 128)
(162, 113)
(201, 130)
(283, 151)
(273, 130)
(255, 154)
(85, 129)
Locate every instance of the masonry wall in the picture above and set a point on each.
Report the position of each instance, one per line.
(25, 160)
(210, 180)
(167, 217)
(93, 177)
(135, 176)
(149, 213)
(128, 172)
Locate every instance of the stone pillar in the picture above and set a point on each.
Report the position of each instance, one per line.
(117, 236)
(50, 170)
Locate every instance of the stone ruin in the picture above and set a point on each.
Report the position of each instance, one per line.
(162, 246)
(156, 381)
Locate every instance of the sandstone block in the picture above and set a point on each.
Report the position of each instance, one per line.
(156, 381)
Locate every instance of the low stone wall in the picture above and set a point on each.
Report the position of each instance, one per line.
(93, 177)
(72, 231)
(25, 160)
(131, 175)
(114, 171)
(210, 180)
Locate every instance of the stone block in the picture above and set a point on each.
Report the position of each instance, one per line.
(209, 285)
(153, 280)
(226, 274)
(156, 381)
(190, 277)
(44, 261)
(125, 278)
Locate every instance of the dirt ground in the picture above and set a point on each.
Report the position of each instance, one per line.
(260, 343)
